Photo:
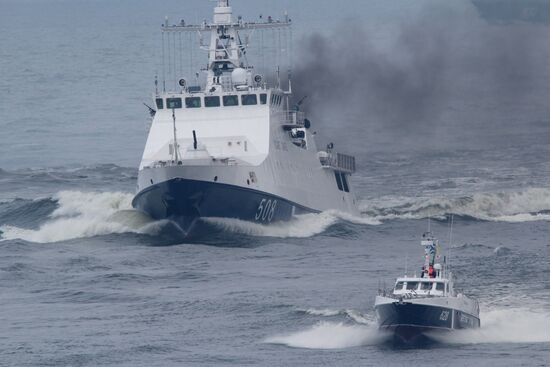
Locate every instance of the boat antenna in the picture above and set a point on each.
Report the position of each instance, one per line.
(429, 223)
(406, 263)
(450, 238)
(176, 156)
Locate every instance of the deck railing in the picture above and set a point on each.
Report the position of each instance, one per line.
(293, 118)
(338, 161)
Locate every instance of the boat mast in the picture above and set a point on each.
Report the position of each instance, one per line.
(175, 144)
(227, 66)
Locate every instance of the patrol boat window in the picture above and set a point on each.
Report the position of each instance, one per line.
(193, 102)
(160, 103)
(212, 101)
(399, 286)
(426, 286)
(440, 286)
(230, 100)
(263, 98)
(249, 99)
(412, 285)
(173, 102)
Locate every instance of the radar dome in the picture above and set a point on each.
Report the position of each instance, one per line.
(239, 76)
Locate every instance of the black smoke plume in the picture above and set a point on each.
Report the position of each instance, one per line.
(444, 78)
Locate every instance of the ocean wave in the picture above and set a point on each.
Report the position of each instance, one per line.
(531, 204)
(84, 214)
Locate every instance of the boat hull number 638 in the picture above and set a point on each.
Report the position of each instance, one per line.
(266, 210)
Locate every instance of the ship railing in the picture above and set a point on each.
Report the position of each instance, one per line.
(293, 118)
(388, 293)
(338, 161)
(160, 164)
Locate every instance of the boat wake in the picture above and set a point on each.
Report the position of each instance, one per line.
(532, 204)
(302, 226)
(70, 215)
(330, 335)
(357, 330)
(510, 325)
(498, 325)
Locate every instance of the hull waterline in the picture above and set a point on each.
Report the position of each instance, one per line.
(185, 202)
(413, 324)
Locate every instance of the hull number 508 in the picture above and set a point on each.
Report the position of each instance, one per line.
(266, 210)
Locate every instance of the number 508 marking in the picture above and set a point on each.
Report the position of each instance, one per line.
(266, 210)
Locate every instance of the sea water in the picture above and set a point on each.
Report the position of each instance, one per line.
(87, 281)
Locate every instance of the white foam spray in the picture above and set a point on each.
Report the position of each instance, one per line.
(330, 335)
(85, 214)
(509, 325)
(301, 226)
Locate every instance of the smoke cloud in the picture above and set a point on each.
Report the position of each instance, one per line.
(452, 78)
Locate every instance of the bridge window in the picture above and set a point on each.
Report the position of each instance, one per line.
(440, 286)
(412, 285)
(263, 98)
(345, 182)
(399, 286)
(213, 101)
(160, 103)
(193, 102)
(173, 103)
(249, 99)
(230, 100)
(338, 181)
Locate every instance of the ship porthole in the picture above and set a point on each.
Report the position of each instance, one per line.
(215, 178)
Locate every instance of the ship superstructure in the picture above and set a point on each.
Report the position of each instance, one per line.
(232, 146)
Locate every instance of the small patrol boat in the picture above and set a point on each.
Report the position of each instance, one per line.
(418, 307)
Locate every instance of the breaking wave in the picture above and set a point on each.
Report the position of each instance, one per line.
(520, 206)
(84, 214)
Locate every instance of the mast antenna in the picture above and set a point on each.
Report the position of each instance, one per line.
(175, 145)
(451, 238)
